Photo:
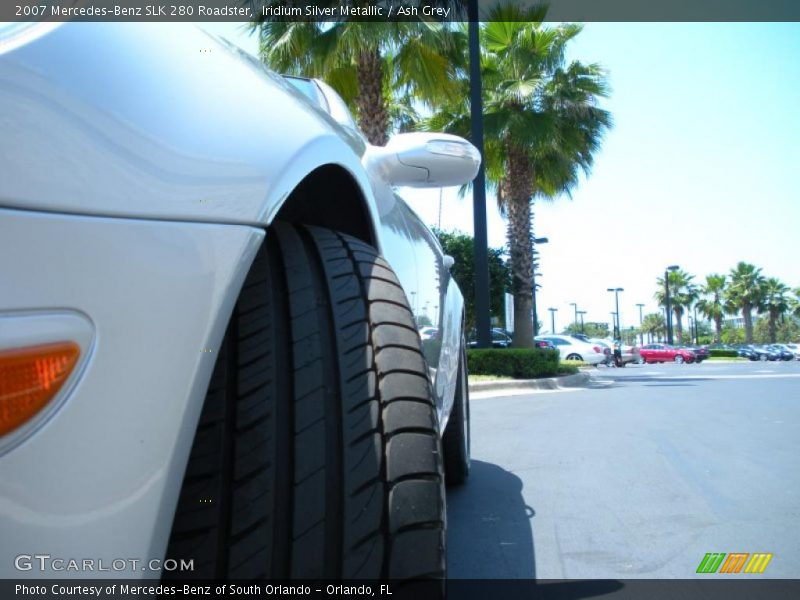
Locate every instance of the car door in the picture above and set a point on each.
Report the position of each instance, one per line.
(561, 345)
(655, 352)
(437, 301)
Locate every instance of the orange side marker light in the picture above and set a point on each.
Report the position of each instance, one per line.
(31, 377)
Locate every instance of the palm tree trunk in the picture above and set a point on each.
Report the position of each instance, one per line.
(773, 323)
(678, 326)
(373, 117)
(748, 323)
(718, 327)
(520, 243)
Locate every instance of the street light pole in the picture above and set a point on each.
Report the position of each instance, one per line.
(641, 322)
(669, 307)
(581, 313)
(613, 323)
(575, 307)
(617, 332)
(482, 321)
(541, 240)
(553, 319)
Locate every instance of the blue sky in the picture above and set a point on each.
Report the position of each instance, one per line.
(699, 169)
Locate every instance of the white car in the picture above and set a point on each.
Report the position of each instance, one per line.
(209, 362)
(629, 354)
(571, 348)
(793, 348)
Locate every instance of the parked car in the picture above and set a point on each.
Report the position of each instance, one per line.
(580, 336)
(499, 339)
(570, 348)
(794, 349)
(428, 333)
(761, 353)
(747, 352)
(544, 345)
(782, 352)
(660, 353)
(502, 339)
(209, 292)
(629, 354)
(701, 353)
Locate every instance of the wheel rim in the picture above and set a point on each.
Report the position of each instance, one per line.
(573, 357)
(763, 357)
(679, 359)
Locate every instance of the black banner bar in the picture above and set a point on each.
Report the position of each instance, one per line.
(711, 588)
(394, 10)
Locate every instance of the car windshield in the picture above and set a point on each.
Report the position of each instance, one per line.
(309, 89)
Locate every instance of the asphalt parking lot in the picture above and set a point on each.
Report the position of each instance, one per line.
(637, 476)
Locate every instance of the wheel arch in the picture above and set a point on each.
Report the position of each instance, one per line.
(329, 196)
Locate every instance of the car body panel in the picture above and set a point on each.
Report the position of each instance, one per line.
(124, 132)
(101, 476)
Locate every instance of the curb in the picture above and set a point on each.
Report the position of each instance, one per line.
(551, 383)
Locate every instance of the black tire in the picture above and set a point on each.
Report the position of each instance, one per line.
(317, 454)
(456, 439)
(574, 356)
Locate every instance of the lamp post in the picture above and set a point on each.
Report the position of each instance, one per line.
(616, 324)
(482, 322)
(641, 321)
(541, 240)
(696, 340)
(581, 313)
(691, 327)
(669, 307)
(553, 319)
(575, 307)
(613, 322)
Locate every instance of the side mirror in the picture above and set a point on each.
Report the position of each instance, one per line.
(425, 160)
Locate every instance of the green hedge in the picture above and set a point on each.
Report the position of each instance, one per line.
(721, 353)
(519, 363)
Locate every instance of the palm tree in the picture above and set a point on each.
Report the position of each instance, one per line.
(653, 325)
(682, 293)
(745, 293)
(379, 69)
(712, 305)
(542, 127)
(775, 303)
(794, 303)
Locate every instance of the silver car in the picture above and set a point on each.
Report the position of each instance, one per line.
(210, 296)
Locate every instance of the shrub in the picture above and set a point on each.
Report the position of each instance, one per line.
(519, 363)
(722, 353)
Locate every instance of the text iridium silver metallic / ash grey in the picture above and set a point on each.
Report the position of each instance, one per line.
(210, 297)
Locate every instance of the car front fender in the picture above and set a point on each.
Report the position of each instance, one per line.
(157, 121)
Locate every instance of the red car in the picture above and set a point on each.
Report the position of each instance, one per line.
(659, 353)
